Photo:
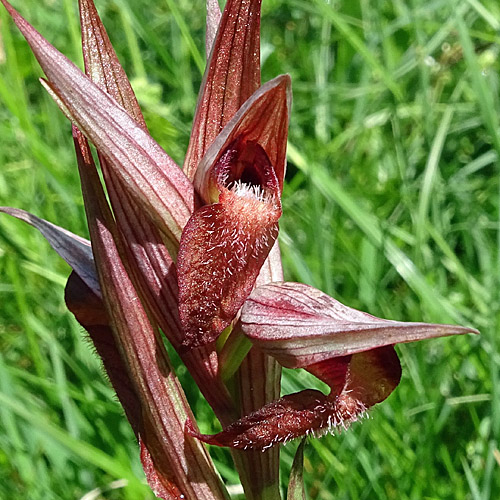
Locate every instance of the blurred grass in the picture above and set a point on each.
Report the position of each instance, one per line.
(391, 205)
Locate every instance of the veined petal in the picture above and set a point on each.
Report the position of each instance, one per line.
(148, 173)
(263, 120)
(368, 377)
(231, 77)
(300, 326)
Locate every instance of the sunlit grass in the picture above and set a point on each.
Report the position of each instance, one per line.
(391, 205)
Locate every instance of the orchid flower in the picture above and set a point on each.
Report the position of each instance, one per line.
(351, 351)
(193, 253)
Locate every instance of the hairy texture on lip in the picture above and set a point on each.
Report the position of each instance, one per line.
(303, 413)
(360, 381)
(224, 245)
(222, 249)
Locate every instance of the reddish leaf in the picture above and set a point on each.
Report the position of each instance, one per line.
(154, 272)
(148, 173)
(76, 251)
(231, 77)
(89, 311)
(161, 486)
(163, 404)
(301, 326)
(101, 62)
(141, 239)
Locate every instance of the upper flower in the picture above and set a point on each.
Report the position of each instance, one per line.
(225, 243)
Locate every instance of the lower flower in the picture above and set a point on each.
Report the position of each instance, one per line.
(349, 350)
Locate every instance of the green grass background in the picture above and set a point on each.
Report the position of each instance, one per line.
(391, 205)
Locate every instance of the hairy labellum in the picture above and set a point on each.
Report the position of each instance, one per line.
(303, 413)
(224, 245)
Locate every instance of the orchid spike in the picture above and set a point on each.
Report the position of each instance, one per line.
(153, 203)
(194, 252)
(351, 351)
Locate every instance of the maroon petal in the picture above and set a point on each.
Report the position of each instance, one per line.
(332, 371)
(369, 378)
(224, 245)
(278, 422)
(366, 377)
(231, 77)
(301, 326)
(372, 376)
